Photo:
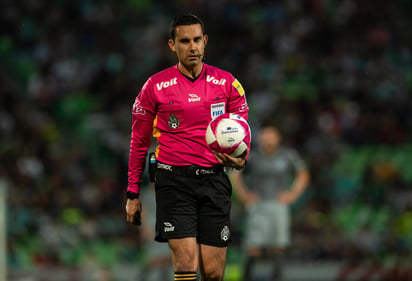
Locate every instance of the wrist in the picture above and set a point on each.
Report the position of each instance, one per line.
(243, 166)
(132, 195)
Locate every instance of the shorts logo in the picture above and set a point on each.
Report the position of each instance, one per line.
(225, 233)
(173, 122)
(168, 227)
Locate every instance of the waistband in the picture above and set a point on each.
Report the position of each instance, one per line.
(192, 170)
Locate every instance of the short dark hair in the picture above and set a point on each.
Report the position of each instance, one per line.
(186, 19)
(270, 123)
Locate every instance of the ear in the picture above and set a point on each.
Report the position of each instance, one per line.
(171, 44)
(205, 38)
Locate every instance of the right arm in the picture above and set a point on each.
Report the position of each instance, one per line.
(142, 126)
(139, 145)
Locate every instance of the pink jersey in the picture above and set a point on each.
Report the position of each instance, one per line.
(177, 111)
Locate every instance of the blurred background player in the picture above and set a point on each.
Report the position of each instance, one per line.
(277, 177)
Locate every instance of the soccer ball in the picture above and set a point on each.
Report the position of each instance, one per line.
(228, 133)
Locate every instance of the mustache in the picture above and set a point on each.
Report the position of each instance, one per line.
(195, 55)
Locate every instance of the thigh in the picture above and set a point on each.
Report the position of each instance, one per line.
(176, 207)
(184, 254)
(212, 262)
(214, 211)
(258, 230)
(280, 225)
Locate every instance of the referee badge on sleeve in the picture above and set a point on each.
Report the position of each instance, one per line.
(238, 87)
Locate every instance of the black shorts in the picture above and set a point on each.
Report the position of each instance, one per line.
(193, 207)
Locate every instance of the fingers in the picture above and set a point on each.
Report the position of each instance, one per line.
(133, 211)
(137, 219)
(225, 158)
(134, 219)
(229, 161)
(219, 157)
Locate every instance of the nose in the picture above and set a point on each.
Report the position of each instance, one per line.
(192, 45)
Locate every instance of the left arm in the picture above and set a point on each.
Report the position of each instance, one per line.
(237, 103)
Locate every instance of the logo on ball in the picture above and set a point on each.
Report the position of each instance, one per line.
(228, 133)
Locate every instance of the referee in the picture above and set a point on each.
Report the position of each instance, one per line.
(193, 192)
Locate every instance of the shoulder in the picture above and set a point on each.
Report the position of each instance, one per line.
(222, 77)
(288, 151)
(167, 73)
(218, 72)
(292, 154)
(161, 79)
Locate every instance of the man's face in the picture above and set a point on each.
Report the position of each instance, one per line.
(189, 45)
(269, 139)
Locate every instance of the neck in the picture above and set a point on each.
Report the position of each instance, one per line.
(270, 150)
(191, 72)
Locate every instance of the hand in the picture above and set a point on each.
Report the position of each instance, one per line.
(249, 198)
(287, 197)
(232, 162)
(133, 211)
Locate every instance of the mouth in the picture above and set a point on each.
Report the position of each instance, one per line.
(194, 57)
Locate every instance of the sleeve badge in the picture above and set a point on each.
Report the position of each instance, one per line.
(238, 87)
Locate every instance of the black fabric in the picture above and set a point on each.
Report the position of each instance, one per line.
(193, 207)
(191, 171)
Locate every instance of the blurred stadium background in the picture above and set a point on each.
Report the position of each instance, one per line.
(335, 74)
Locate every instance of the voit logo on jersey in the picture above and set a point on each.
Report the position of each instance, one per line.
(215, 81)
(193, 98)
(165, 84)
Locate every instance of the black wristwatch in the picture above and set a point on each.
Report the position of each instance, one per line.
(131, 195)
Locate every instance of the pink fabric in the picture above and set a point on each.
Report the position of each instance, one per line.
(180, 110)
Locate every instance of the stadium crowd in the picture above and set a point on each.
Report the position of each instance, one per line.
(335, 74)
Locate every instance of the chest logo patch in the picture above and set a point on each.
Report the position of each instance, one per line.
(193, 98)
(217, 109)
(173, 122)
